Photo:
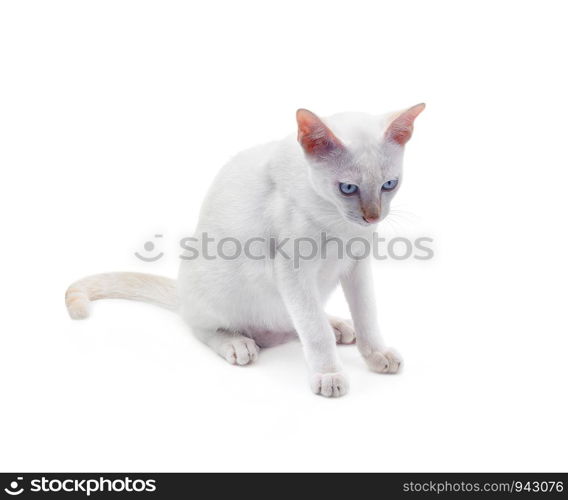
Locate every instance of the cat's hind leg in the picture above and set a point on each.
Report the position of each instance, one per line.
(236, 348)
(343, 330)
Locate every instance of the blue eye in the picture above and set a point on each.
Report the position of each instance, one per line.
(390, 185)
(348, 188)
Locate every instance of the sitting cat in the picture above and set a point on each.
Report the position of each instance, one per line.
(338, 178)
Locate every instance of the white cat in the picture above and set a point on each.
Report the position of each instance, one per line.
(338, 178)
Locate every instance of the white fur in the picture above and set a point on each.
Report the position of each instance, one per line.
(277, 190)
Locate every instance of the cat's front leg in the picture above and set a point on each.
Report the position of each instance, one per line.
(299, 292)
(360, 294)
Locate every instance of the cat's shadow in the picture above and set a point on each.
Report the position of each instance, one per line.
(289, 358)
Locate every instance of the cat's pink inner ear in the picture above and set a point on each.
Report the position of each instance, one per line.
(314, 136)
(400, 129)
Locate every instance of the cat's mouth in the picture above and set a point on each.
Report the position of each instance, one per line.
(370, 222)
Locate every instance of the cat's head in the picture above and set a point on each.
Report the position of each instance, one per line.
(356, 159)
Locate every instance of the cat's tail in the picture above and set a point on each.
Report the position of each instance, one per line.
(134, 286)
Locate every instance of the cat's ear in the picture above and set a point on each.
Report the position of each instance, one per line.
(315, 137)
(401, 127)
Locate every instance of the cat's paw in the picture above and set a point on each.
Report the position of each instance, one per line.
(239, 351)
(387, 361)
(343, 329)
(330, 385)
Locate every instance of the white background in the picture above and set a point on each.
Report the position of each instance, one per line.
(115, 117)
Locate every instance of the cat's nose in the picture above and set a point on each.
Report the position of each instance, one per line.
(371, 213)
(371, 219)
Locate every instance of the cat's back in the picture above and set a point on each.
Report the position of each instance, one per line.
(242, 192)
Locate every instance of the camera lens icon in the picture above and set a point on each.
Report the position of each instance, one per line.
(149, 247)
(13, 488)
